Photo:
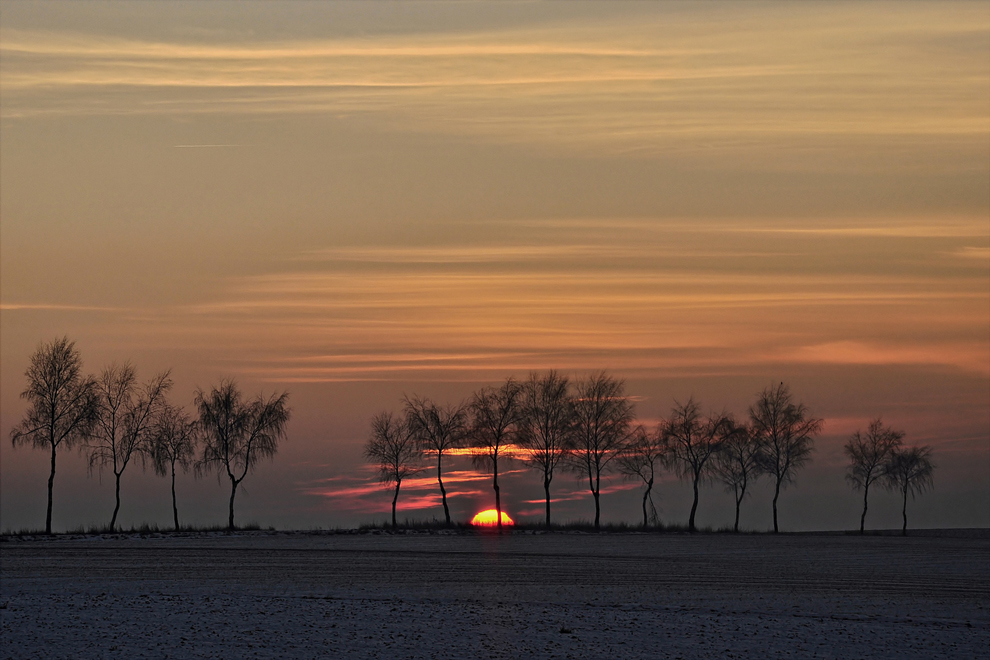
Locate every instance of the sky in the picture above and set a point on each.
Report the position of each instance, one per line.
(359, 201)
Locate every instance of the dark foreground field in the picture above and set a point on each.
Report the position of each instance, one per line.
(518, 596)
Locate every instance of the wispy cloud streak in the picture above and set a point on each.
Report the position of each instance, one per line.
(464, 311)
(654, 80)
(640, 296)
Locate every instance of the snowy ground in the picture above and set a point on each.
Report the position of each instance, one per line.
(519, 596)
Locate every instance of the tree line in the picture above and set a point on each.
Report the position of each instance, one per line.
(115, 420)
(551, 423)
(548, 421)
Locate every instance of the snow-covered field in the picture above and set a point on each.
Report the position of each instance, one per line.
(611, 596)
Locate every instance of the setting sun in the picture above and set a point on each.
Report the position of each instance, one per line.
(489, 518)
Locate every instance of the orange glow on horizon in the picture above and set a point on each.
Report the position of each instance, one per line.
(489, 518)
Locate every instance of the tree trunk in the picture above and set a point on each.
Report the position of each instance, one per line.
(51, 485)
(116, 508)
(646, 498)
(904, 512)
(735, 490)
(175, 509)
(498, 496)
(395, 498)
(598, 509)
(546, 489)
(862, 518)
(694, 505)
(776, 494)
(443, 491)
(233, 491)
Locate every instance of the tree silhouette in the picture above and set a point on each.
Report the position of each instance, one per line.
(173, 443)
(642, 458)
(869, 454)
(124, 422)
(602, 416)
(548, 421)
(785, 431)
(393, 449)
(909, 471)
(62, 405)
(436, 429)
(496, 413)
(237, 434)
(692, 442)
(737, 463)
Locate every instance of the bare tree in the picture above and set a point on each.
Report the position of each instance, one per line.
(173, 444)
(737, 463)
(868, 454)
(437, 429)
(602, 416)
(237, 434)
(909, 471)
(394, 450)
(61, 405)
(642, 458)
(496, 413)
(548, 421)
(124, 422)
(785, 431)
(692, 442)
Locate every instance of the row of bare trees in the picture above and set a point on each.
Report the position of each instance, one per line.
(878, 456)
(588, 427)
(115, 419)
(545, 420)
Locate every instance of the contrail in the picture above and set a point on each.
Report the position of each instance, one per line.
(205, 146)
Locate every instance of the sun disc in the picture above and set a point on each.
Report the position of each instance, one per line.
(489, 518)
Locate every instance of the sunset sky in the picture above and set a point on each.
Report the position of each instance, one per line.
(356, 201)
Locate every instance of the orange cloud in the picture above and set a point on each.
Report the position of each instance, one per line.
(970, 356)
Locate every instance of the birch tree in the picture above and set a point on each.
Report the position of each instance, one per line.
(693, 441)
(496, 414)
(785, 431)
(62, 405)
(910, 471)
(643, 457)
(173, 445)
(548, 421)
(437, 430)
(238, 434)
(125, 421)
(737, 464)
(869, 454)
(602, 416)
(393, 449)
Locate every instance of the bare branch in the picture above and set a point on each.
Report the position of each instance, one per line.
(174, 440)
(62, 402)
(393, 448)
